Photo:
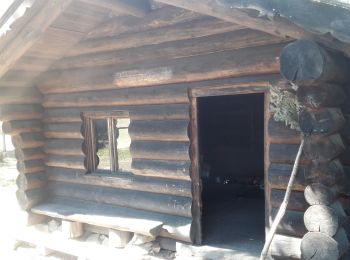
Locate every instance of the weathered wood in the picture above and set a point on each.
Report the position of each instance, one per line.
(164, 169)
(66, 131)
(11, 96)
(286, 246)
(279, 174)
(64, 147)
(121, 218)
(160, 150)
(327, 173)
(162, 203)
(28, 140)
(123, 181)
(27, 30)
(119, 239)
(297, 201)
(72, 229)
(323, 121)
(323, 148)
(174, 130)
(325, 95)
(28, 199)
(292, 223)
(21, 126)
(20, 112)
(66, 161)
(319, 194)
(285, 153)
(250, 61)
(242, 38)
(279, 133)
(27, 218)
(29, 154)
(165, 16)
(136, 8)
(306, 62)
(317, 245)
(31, 181)
(197, 28)
(30, 166)
(324, 219)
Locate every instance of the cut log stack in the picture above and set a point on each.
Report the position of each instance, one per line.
(21, 114)
(320, 76)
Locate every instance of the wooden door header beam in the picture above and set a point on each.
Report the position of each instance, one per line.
(279, 26)
(27, 30)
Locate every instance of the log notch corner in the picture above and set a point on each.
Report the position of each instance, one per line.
(21, 113)
(320, 76)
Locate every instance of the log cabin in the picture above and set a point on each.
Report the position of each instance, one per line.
(153, 117)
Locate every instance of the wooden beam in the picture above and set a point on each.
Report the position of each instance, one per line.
(27, 30)
(136, 8)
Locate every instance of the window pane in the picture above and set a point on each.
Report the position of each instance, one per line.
(123, 144)
(102, 144)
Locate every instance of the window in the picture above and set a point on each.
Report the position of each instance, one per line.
(107, 141)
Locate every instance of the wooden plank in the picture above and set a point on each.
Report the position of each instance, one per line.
(171, 130)
(243, 38)
(297, 201)
(115, 217)
(155, 202)
(165, 169)
(136, 8)
(285, 153)
(28, 30)
(160, 150)
(237, 63)
(123, 181)
(279, 133)
(194, 29)
(279, 174)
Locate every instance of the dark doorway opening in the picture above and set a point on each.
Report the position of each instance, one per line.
(231, 158)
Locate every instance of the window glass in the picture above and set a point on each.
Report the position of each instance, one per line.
(102, 144)
(123, 144)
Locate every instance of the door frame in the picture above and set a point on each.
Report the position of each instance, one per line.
(222, 90)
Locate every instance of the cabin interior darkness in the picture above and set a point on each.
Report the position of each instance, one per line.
(231, 143)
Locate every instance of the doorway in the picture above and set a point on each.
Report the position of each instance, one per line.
(230, 155)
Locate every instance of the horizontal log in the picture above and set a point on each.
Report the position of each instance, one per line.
(66, 131)
(28, 199)
(67, 161)
(242, 38)
(323, 121)
(292, 223)
(279, 133)
(324, 219)
(317, 245)
(160, 150)
(285, 247)
(29, 154)
(20, 112)
(135, 8)
(10, 96)
(151, 112)
(21, 126)
(257, 61)
(306, 62)
(285, 153)
(296, 203)
(170, 130)
(31, 181)
(279, 175)
(163, 169)
(164, 16)
(123, 181)
(64, 147)
(323, 148)
(324, 95)
(162, 203)
(109, 216)
(201, 27)
(28, 140)
(328, 173)
(30, 166)
(319, 194)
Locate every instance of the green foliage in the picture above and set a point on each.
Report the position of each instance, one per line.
(285, 106)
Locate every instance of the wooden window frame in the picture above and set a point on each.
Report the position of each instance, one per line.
(223, 90)
(90, 138)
